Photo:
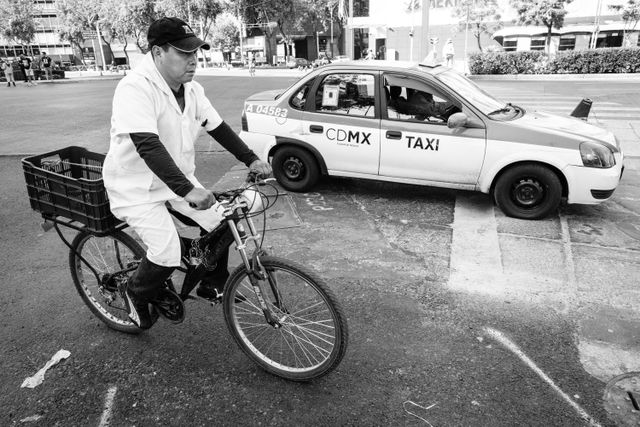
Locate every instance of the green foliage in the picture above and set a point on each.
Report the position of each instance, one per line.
(482, 16)
(130, 19)
(630, 12)
(596, 61)
(225, 31)
(17, 21)
(566, 62)
(527, 62)
(549, 13)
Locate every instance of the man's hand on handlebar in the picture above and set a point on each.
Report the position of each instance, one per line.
(262, 168)
(200, 199)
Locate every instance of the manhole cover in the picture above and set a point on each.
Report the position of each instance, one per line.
(622, 399)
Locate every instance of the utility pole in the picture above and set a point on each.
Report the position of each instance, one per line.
(596, 24)
(331, 17)
(104, 65)
(466, 37)
(240, 30)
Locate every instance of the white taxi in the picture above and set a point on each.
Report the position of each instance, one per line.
(429, 125)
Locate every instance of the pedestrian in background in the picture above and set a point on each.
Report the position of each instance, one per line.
(25, 67)
(7, 68)
(45, 64)
(252, 67)
(448, 52)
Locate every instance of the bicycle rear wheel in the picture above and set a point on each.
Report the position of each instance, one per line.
(109, 256)
(313, 335)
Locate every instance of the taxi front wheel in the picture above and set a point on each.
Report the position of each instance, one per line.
(295, 169)
(528, 191)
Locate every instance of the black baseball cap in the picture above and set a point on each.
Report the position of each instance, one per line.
(177, 33)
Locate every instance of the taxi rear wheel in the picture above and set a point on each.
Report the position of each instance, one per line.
(295, 169)
(528, 191)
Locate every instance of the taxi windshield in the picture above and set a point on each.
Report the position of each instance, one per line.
(470, 91)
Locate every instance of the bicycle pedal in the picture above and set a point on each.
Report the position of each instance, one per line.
(169, 305)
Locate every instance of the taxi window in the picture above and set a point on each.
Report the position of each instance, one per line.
(349, 94)
(413, 100)
(299, 98)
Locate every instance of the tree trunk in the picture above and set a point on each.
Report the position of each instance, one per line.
(124, 49)
(79, 47)
(478, 34)
(110, 51)
(549, 40)
(271, 46)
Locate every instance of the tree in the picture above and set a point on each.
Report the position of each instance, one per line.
(630, 13)
(200, 14)
(225, 33)
(549, 13)
(130, 19)
(18, 24)
(272, 16)
(481, 15)
(77, 16)
(313, 16)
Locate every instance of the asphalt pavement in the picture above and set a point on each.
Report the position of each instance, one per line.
(549, 330)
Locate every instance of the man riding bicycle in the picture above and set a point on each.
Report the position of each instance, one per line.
(158, 113)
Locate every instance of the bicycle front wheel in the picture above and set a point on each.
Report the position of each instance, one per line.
(311, 337)
(113, 257)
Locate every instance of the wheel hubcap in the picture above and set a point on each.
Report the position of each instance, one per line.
(293, 168)
(528, 192)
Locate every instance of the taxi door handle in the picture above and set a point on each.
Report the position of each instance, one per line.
(316, 129)
(393, 134)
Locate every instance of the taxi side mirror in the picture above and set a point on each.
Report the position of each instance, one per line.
(457, 120)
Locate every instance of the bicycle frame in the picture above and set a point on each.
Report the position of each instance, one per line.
(197, 262)
(235, 211)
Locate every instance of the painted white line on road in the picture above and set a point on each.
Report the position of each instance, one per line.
(108, 406)
(568, 255)
(476, 261)
(502, 339)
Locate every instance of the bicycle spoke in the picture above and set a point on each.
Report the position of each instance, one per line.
(106, 255)
(307, 340)
(305, 335)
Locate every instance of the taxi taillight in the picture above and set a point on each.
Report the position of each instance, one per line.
(245, 125)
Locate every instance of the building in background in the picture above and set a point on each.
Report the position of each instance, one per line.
(389, 30)
(589, 24)
(46, 37)
(411, 29)
(383, 29)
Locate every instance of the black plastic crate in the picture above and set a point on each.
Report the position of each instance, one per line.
(68, 183)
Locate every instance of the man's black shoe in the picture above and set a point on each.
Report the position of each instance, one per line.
(138, 309)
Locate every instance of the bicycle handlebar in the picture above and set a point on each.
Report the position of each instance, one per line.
(253, 178)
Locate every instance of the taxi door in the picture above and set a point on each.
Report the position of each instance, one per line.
(342, 123)
(416, 142)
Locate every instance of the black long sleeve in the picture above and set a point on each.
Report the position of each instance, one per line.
(156, 156)
(231, 142)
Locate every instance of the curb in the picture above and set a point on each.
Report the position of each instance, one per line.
(279, 72)
(556, 77)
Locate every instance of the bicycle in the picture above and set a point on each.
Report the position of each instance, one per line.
(283, 317)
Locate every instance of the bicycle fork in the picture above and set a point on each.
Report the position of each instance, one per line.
(255, 270)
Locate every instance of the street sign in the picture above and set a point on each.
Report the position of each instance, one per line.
(90, 34)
